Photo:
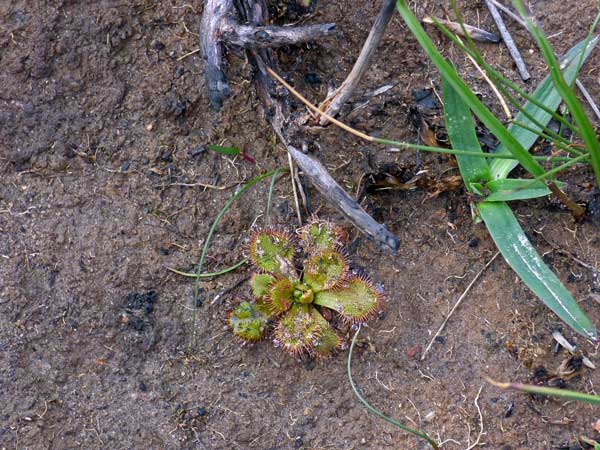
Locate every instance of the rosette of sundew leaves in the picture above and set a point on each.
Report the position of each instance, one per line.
(293, 303)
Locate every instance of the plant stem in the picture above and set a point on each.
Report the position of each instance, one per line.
(375, 411)
(230, 202)
(209, 274)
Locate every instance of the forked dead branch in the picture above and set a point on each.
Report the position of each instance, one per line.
(218, 27)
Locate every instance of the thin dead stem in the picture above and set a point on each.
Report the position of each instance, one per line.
(316, 110)
(458, 302)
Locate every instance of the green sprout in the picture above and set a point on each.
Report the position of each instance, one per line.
(294, 304)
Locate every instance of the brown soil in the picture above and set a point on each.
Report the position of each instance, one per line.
(102, 119)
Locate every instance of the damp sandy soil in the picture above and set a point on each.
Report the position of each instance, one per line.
(106, 184)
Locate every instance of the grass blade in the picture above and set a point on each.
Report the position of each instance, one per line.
(209, 274)
(566, 92)
(213, 227)
(508, 189)
(547, 94)
(502, 224)
(461, 132)
(524, 260)
(374, 410)
(224, 150)
(503, 83)
(562, 393)
(471, 100)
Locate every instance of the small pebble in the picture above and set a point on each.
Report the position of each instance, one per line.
(429, 417)
(167, 156)
(197, 150)
(413, 352)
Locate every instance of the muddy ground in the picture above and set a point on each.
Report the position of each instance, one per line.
(103, 127)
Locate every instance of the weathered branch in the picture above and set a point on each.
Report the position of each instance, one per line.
(216, 12)
(270, 36)
(331, 190)
(334, 102)
(275, 103)
(218, 26)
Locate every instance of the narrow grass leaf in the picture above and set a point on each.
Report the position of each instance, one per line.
(522, 257)
(502, 224)
(374, 410)
(211, 232)
(553, 392)
(461, 132)
(467, 95)
(575, 107)
(508, 189)
(502, 83)
(547, 94)
(209, 274)
(224, 150)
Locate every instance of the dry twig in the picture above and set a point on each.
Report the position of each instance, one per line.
(458, 302)
(334, 101)
(508, 41)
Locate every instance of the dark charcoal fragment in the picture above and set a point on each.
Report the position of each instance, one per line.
(425, 98)
(575, 363)
(594, 209)
(540, 376)
(143, 301)
(166, 156)
(312, 78)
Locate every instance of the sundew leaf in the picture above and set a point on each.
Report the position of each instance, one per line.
(327, 340)
(356, 301)
(249, 321)
(325, 269)
(524, 260)
(321, 234)
(547, 94)
(281, 296)
(297, 330)
(508, 189)
(272, 251)
(260, 283)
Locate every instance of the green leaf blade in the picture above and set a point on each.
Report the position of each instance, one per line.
(462, 134)
(508, 189)
(524, 260)
(467, 95)
(224, 150)
(547, 94)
